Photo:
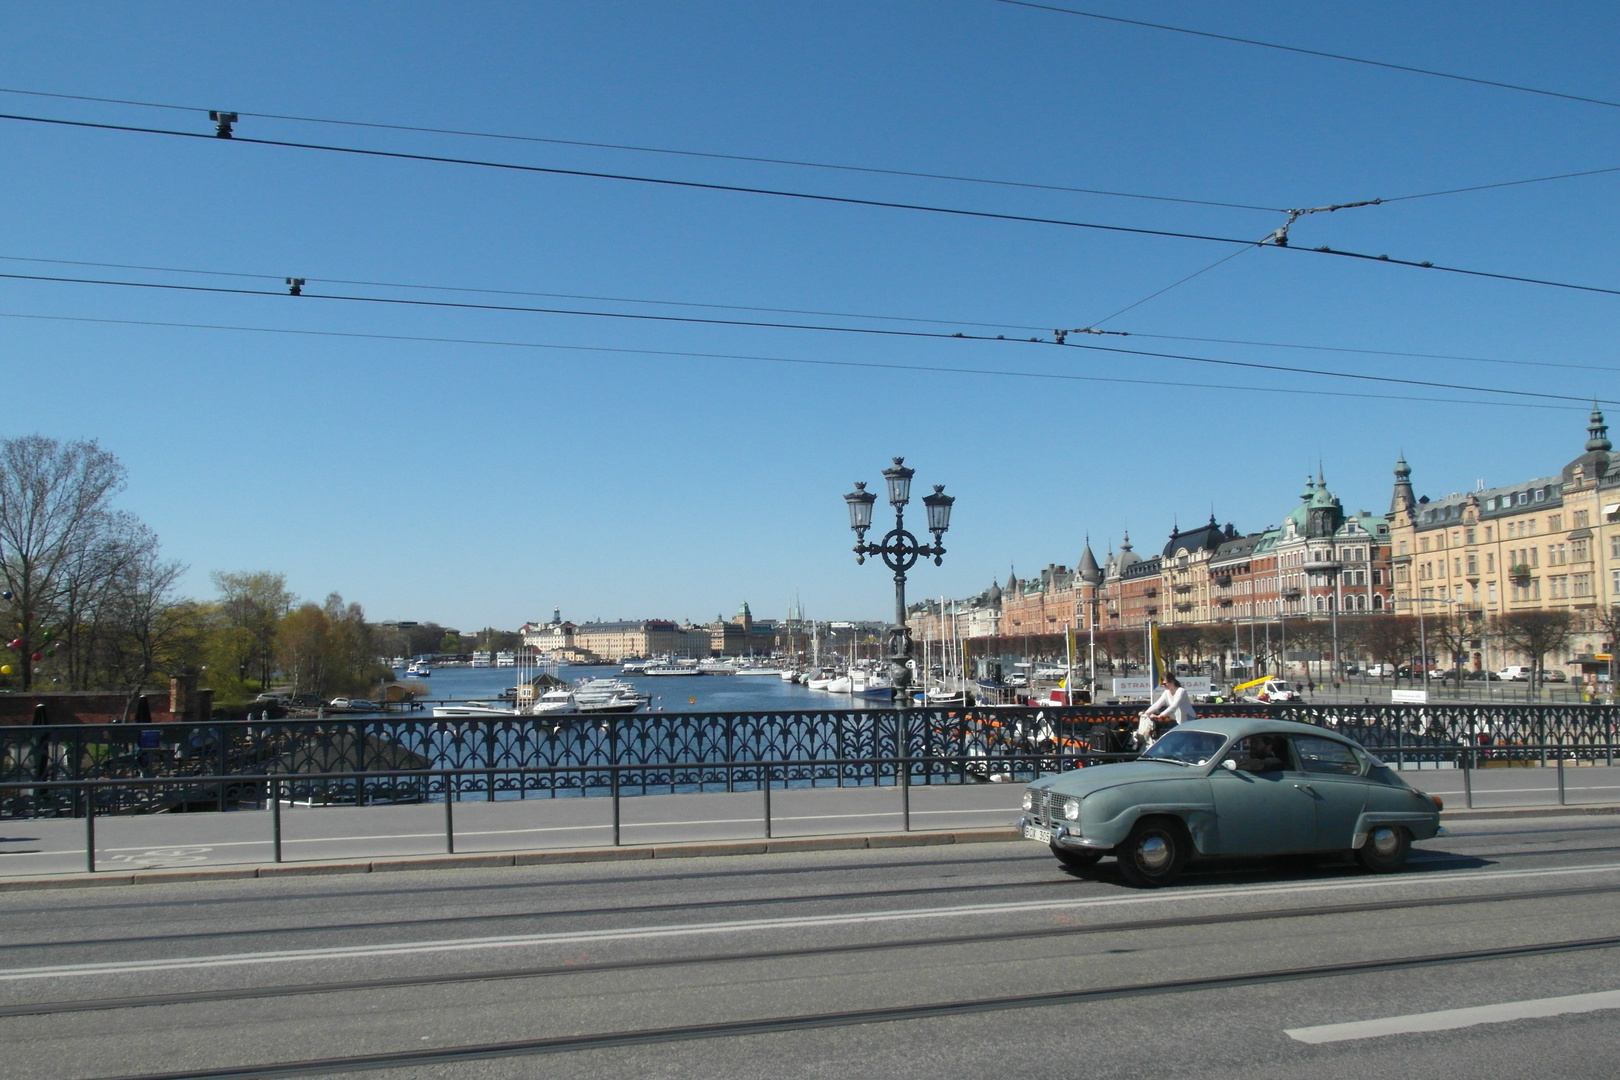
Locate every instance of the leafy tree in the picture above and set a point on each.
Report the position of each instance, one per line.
(251, 607)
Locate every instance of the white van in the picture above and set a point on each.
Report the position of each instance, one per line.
(1514, 673)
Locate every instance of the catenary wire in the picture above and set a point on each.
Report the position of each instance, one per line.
(529, 293)
(860, 364)
(1313, 52)
(830, 314)
(845, 200)
(927, 334)
(746, 158)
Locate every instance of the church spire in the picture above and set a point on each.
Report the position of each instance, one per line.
(1598, 432)
(1402, 499)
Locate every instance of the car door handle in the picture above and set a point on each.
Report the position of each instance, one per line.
(1306, 788)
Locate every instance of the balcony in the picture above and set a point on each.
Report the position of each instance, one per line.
(1150, 592)
(1185, 605)
(1183, 588)
(1323, 566)
(1292, 594)
(1223, 580)
(1225, 601)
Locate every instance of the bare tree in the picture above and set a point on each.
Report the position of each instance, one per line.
(1452, 631)
(53, 507)
(1391, 639)
(1535, 634)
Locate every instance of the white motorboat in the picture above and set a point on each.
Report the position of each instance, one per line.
(466, 709)
(840, 685)
(758, 669)
(553, 702)
(418, 670)
(716, 667)
(669, 669)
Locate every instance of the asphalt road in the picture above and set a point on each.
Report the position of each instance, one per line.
(979, 960)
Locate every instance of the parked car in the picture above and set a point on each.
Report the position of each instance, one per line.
(1514, 673)
(1230, 787)
(1554, 675)
(1380, 671)
(1483, 676)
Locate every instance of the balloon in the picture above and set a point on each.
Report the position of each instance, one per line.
(15, 643)
(5, 669)
(36, 656)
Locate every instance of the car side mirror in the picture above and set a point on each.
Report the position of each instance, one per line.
(1229, 765)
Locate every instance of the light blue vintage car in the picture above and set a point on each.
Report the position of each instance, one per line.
(1230, 787)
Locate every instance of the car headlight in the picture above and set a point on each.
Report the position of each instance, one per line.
(1071, 809)
(1029, 800)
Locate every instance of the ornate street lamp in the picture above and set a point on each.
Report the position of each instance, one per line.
(900, 551)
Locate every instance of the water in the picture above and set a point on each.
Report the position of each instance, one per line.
(670, 693)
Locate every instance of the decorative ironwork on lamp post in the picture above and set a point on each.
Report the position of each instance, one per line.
(900, 551)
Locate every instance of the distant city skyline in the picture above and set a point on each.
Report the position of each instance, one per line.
(480, 465)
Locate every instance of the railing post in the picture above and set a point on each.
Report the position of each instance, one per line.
(1468, 778)
(90, 828)
(613, 772)
(1560, 774)
(449, 814)
(903, 768)
(275, 818)
(765, 786)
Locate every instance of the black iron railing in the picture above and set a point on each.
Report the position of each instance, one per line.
(147, 768)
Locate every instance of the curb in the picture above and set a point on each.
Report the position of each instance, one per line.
(485, 860)
(1527, 812)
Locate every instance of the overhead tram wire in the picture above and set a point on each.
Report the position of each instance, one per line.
(923, 320)
(587, 144)
(529, 293)
(1174, 384)
(864, 330)
(844, 200)
(747, 158)
(1497, 84)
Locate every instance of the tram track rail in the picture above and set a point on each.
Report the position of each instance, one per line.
(210, 996)
(854, 1017)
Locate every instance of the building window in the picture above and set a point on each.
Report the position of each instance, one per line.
(1490, 503)
(1580, 584)
(1614, 582)
(1614, 547)
(1471, 537)
(1583, 519)
(1541, 494)
(1490, 562)
(1580, 550)
(1490, 590)
(1557, 587)
(1555, 522)
(1616, 540)
(1523, 498)
(1423, 543)
(1473, 565)
(1378, 577)
(1487, 534)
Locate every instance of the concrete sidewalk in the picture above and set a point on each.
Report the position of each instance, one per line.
(378, 839)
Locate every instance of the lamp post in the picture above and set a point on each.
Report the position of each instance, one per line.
(900, 551)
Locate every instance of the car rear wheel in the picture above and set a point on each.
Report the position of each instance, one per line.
(1385, 850)
(1075, 860)
(1154, 853)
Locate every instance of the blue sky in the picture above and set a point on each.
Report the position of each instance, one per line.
(478, 484)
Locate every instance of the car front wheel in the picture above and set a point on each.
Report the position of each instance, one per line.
(1385, 850)
(1075, 860)
(1154, 853)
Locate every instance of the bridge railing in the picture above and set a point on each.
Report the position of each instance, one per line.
(141, 768)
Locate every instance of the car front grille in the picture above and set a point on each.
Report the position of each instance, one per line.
(1047, 808)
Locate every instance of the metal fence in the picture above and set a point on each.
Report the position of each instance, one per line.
(50, 771)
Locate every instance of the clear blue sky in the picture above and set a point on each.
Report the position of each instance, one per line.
(482, 485)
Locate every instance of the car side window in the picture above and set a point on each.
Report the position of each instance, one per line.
(1261, 754)
(1319, 755)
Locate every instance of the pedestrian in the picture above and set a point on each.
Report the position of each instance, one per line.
(1311, 685)
(1171, 704)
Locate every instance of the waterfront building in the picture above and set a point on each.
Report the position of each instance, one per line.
(1549, 543)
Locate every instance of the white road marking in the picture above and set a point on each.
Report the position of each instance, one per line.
(1449, 1019)
(789, 923)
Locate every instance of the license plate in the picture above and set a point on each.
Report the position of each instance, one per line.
(1035, 832)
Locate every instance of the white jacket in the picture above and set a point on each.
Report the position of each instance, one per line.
(1172, 706)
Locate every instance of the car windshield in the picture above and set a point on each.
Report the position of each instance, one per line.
(1185, 747)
